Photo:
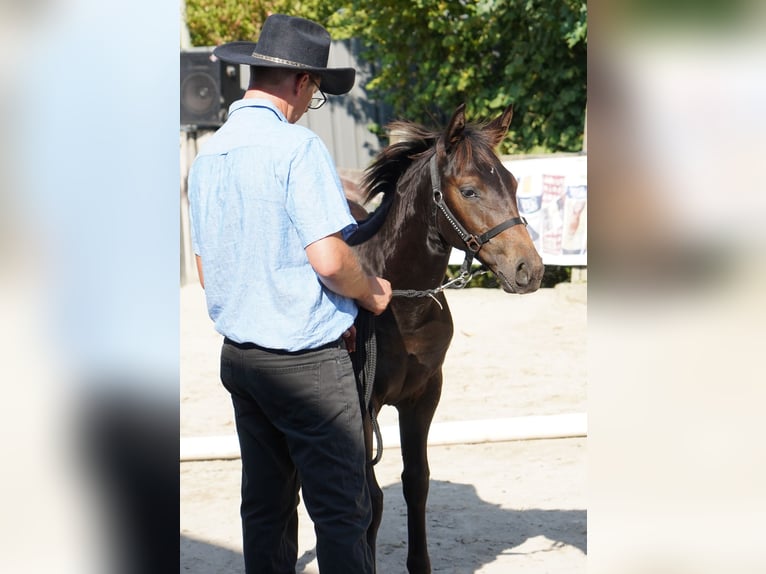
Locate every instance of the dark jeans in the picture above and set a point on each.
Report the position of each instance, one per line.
(299, 423)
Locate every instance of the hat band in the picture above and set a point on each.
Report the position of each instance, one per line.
(279, 60)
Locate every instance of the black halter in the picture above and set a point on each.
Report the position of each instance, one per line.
(473, 242)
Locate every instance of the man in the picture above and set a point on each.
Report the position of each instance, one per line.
(269, 220)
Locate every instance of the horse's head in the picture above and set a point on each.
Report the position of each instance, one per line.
(478, 210)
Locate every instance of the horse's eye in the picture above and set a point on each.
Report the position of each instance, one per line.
(469, 192)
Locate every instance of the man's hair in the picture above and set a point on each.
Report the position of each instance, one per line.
(266, 76)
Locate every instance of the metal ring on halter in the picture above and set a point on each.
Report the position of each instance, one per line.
(473, 243)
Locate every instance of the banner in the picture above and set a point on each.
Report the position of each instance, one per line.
(552, 196)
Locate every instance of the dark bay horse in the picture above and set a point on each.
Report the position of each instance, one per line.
(440, 190)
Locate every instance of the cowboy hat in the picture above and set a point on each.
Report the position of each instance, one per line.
(293, 43)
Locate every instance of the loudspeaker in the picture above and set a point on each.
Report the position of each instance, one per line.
(208, 87)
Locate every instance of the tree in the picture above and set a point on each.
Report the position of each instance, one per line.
(431, 55)
(213, 22)
(434, 54)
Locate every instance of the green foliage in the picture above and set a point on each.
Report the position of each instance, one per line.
(435, 54)
(213, 22)
(555, 274)
(431, 55)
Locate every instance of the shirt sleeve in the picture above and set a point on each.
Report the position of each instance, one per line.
(192, 191)
(316, 203)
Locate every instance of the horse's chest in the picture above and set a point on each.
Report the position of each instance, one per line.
(411, 355)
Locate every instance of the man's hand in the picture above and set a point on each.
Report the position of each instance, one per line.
(378, 297)
(349, 338)
(340, 271)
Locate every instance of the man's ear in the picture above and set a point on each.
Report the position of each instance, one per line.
(301, 80)
(297, 79)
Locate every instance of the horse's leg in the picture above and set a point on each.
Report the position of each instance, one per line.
(414, 421)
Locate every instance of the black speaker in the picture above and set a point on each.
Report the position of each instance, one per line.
(208, 86)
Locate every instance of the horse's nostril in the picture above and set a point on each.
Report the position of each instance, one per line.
(522, 273)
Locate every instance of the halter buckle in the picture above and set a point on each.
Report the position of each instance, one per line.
(473, 243)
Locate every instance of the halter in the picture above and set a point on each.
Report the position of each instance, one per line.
(473, 242)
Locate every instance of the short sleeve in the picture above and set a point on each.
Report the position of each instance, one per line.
(316, 203)
(193, 191)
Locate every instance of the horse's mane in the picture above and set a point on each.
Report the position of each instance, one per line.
(391, 164)
(384, 173)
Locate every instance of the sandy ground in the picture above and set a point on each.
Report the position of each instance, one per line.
(497, 507)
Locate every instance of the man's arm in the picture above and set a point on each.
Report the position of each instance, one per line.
(199, 271)
(340, 271)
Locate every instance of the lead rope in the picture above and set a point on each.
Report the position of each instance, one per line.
(365, 363)
(458, 282)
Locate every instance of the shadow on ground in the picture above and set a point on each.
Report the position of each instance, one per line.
(465, 533)
(198, 557)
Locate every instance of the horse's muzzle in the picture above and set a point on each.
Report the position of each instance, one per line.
(526, 275)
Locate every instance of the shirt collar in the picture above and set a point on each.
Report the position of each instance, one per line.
(256, 103)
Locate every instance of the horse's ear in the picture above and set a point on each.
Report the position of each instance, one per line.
(499, 126)
(455, 129)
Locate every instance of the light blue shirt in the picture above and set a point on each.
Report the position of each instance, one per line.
(260, 191)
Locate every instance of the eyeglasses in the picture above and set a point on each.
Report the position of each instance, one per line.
(317, 101)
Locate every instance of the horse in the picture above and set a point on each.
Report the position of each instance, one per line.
(436, 186)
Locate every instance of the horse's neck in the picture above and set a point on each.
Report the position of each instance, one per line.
(408, 250)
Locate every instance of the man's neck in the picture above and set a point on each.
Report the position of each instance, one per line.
(280, 103)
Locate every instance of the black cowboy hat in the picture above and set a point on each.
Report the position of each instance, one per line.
(292, 43)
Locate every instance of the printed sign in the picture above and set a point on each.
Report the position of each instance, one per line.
(553, 197)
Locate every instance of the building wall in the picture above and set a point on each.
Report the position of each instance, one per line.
(343, 122)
